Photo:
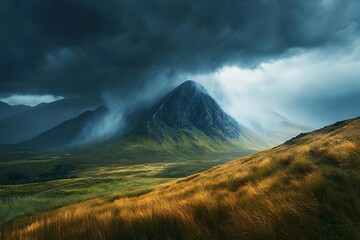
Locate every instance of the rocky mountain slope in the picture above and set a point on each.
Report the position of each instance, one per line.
(190, 106)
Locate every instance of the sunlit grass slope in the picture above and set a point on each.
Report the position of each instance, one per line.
(178, 143)
(308, 188)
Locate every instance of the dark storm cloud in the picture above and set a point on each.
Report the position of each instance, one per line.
(84, 47)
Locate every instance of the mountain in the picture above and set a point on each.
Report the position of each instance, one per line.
(277, 127)
(67, 133)
(190, 106)
(306, 188)
(6, 110)
(32, 121)
(185, 118)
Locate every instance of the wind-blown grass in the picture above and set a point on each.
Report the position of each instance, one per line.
(306, 189)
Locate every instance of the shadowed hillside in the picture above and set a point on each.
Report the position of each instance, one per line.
(18, 123)
(307, 188)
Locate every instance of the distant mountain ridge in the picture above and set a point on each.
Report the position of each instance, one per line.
(277, 127)
(7, 110)
(66, 133)
(32, 121)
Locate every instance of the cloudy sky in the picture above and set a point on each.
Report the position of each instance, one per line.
(297, 57)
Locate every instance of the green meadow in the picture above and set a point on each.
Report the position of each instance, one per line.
(48, 180)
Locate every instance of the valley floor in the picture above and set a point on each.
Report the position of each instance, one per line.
(77, 181)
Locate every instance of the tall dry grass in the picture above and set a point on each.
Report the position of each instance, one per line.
(309, 189)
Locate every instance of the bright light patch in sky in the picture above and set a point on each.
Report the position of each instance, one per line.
(314, 88)
(30, 100)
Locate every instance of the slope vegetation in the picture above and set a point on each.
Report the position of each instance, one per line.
(307, 188)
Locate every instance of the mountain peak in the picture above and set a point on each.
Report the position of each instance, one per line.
(191, 86)
(186, 93)
(190, 106)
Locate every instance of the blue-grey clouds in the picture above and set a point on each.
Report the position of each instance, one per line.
(85, 48)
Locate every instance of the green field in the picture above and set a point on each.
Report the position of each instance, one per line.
(45, 180)
(33, 182)
(29, 199)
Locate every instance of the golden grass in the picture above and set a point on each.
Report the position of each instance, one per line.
(309, 189)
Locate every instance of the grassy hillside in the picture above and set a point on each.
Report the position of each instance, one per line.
(35, 182)
(178, 143)
(38, 166)
(308, 188)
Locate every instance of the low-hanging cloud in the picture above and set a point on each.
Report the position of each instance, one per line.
(115, 119)
(30, 100)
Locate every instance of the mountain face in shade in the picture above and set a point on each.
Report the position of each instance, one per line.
(7, 110)
(189, 105)
(23, 122)
(66, 133)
